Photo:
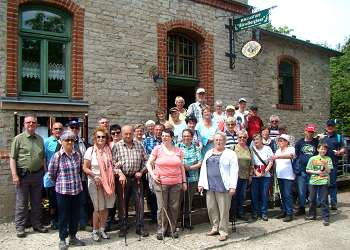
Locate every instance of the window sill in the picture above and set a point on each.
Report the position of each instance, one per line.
(297, 107)
(63, 105)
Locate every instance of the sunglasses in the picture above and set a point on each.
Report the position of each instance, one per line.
(74, 127)
(242, 137)
(115, 133)
(57, 128)
(274, 121)
(231, 124)
(69, 140)
(101, 137)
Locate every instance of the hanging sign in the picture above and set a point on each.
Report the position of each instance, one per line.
(250, 21)
(251, 49)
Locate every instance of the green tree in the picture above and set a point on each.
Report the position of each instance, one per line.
(283, 29)
(340, 87)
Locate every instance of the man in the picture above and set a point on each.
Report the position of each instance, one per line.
(179, 103)
(230, 111)
(149, 143)
(305, 148)
(139, 132)
(129, 157)
(254, 123)
(80, 146)
(274, 129)
(219, 114)
(241, 114)
(149, 128)
(27, 164)
(334, 151)
(104, 123)
(195, 109)
(51, 146)
(179, 125)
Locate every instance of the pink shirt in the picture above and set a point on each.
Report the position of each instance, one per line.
(168, 167)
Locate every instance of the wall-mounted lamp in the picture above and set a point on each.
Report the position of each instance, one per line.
(158, 79)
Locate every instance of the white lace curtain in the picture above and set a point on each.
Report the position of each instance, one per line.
(32, 70)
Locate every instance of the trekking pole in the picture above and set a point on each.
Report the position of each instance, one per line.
(124, 226)
(189, 204)
(139, 205)
(183, 211)
(166, 214)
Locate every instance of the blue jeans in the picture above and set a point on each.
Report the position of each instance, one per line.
(302, 181)
(332, 189)
(68, 215)
(322, 192)
(260, 195)
(238, 199)
(286, 195)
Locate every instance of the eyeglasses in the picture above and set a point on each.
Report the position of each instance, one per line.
(74, 127)
(57, 128)
(274, 121)
(101, 137)
(30, 122)
(242, 137)
(115, 133)
(69, 140)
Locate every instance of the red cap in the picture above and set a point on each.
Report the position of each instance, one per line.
(310, 127)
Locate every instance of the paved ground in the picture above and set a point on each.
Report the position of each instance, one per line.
(298, 234)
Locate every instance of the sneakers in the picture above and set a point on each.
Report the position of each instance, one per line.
(326, 223)
(334, 207)
(76, 242)
(62, 245)
(21, 234)
(264, 217)
(310, 217)
(104, 235)
(160, 236)
(281, 216)
(288, 218)
(212, 233)
(41, 229)
(95, 236)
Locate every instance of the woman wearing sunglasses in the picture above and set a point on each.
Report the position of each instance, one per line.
(98, 167)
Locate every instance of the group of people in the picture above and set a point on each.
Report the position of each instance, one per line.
(168, 160)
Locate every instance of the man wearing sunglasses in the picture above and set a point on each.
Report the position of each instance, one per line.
(274, 129)
(26, 164)
(51, 146)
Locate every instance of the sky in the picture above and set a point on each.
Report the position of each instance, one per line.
(320, 21)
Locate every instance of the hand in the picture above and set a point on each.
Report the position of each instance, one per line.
(273, 158)
(122, 179)
(15, 180)
(258, 174)
(231, 191)
(187, 167)
(336, 152)
(138, 175)
(156, 179)
(184, 187)
(98, 182)
(200, 189)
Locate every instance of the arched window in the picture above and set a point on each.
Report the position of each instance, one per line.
(44, 52)
(286, 83)
(182, 56)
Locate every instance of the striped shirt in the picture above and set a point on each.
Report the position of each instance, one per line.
(232, 140)
(192, 155)
(129, 159)
(65, 171)
(274, 133)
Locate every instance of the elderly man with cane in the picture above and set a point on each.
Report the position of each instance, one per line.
(129, 158)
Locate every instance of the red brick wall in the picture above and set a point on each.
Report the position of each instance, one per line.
(226, 5)
(297, 98)
(205, 57)
(77, 71)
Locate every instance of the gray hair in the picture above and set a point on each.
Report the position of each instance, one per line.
(274, 117)
(243, 132)
(218, 103)
(222, 134)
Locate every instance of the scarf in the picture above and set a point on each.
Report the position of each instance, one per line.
(104, 159)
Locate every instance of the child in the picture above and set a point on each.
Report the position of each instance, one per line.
(319, 167)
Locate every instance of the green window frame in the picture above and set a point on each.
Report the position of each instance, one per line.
(44, 52)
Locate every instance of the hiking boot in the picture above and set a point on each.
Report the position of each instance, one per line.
(264, 217)
(334, 207)
(74, 241)
(160, 236)
(21, 234)
(288, 218)
(300, 212)
(281, 216)
(62, 245)
(40, 229)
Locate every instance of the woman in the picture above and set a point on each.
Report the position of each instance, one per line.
(245, 167)
(64, 170)
(207, 129)
(285, 176)
(219, 114)
(98, 167)
(266, 140)
(191, 122)
(161, 116)
(179, 103)
(219, 173)
(116, 134)
(169, 178)
(230, 132)
(262, 161)
(192, 162)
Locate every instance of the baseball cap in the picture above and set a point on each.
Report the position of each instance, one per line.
(174, 109)
(230, 107)
(330, 123)
(310, 127)
(200, 90)
(242, 100)
(285, 137)
(73, 123)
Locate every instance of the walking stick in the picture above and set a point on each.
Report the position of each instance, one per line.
(183, 211)
(139, 205)
(124, 226)
(189, 204)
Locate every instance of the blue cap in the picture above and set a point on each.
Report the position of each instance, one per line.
(330, 123)
(73, 123)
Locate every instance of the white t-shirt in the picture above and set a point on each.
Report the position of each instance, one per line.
(240, 119)
(91, 156)
(284, 169)
(265, 154)
(178, 130)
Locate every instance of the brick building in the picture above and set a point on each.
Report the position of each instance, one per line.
(65, 58)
